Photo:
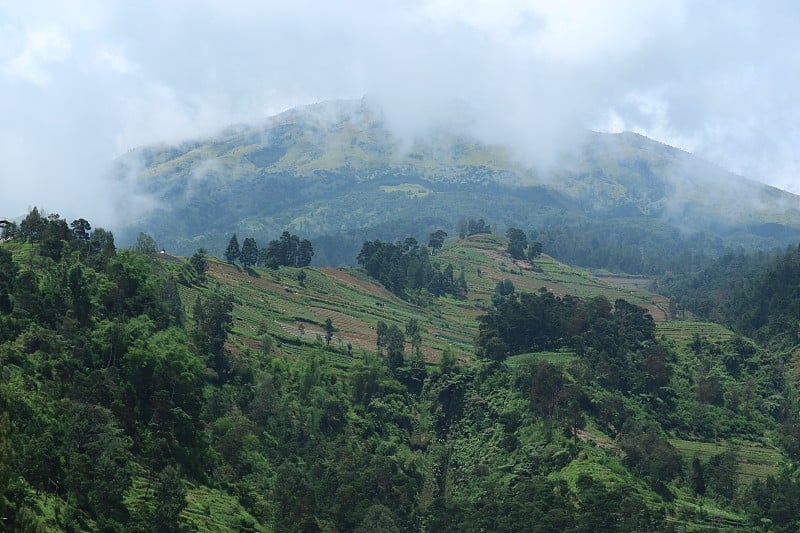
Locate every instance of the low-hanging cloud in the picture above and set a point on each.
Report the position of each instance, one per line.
(83, 83)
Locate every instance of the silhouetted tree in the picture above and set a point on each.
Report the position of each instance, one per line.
(232, 251)
(80, 229)
(145, 244)
(249, 253)
(436, 240)
(517, 242)
(328, 330)
(199, 263)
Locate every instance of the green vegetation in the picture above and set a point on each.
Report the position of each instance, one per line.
(405, 268)
(146, 392)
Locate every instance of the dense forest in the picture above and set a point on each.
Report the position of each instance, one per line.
(757, 295)
(120, 399)
(632, 246)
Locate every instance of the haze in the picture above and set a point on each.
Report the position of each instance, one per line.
(85, 81)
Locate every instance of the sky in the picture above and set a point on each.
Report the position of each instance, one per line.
(85, 81)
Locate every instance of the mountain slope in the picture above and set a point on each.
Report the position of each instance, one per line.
(138, 393)
(336, 169)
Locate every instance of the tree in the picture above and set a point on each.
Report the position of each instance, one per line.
(534, 250)
(381, 329)
(304, 253)
(249, 253)
(328, 330)
(697, 479)
(504, 287)
(494, 349)
(377, 518)
(145, 244)
(80, 229)
(413, 333)
(517, 242)
(395, 347)
(436, 240)
(170, 496)
(199, 263)
(32, 226)
(301, 277)
(447, 361)
(478, 226)
(232, 251)
(721, 475)
(95, 467)
(101, 247)
(8, 272)
(212, 319)
(288, 250)
(55, 234)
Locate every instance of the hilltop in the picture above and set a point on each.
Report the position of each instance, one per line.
(335, 172)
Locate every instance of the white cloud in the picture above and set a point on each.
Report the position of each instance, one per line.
(42, 48)
(84, 81)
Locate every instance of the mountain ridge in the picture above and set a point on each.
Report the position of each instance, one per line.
(324, 170)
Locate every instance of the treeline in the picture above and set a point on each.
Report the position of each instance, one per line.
(101, 378)
(289, 250)
(614, 339)
(51, 232)
(754, 294)
(405, 267)
(638, 246)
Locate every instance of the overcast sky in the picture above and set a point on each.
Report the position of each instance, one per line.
(82, 82)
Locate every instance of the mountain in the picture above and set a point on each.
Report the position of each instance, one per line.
(336, 173)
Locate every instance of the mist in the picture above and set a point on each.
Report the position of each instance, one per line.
(86, 83)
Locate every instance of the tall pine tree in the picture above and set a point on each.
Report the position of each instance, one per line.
(249, 253)
(232, 252)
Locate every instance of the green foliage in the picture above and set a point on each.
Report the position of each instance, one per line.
(212, 320)
(145, 244)
(289, 250)
(232, 251)
(753, 294)
(199, 263)
(116, 413)
(517, 243)
(405, 267)
(170, 501)
(773, 503)
(249, 253)
(472, 227)
(436, 240)
(328, 330)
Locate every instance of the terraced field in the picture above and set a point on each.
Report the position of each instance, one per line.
(684, 331)
(276, 303)
(754, 461)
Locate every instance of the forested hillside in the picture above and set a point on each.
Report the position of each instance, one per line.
(756, 294)
(145, 392)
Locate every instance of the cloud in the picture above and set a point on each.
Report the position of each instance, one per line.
(86, 81)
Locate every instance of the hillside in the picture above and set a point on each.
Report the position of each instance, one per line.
(137, 390)
(334, 172)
